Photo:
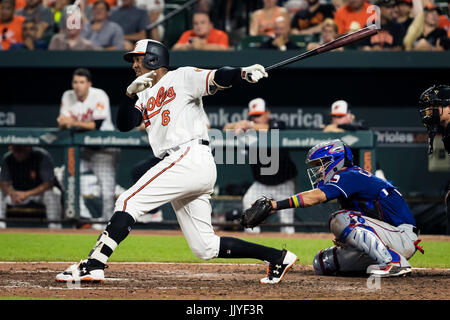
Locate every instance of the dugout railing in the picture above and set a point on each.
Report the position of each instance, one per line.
(66, 146)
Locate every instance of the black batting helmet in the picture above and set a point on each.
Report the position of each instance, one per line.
(156, 54)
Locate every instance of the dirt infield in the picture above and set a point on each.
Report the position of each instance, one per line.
(208, 281)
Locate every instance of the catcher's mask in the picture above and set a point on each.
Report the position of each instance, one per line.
(431, 102)
(156, 54)
(325, 159)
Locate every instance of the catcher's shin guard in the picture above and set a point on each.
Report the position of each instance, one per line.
(349, 228)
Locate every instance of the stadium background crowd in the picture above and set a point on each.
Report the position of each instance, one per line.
(222, 24)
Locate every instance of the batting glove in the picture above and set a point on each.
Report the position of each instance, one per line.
(253, 73)
(141, 83)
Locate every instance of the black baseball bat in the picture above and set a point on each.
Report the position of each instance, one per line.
(337, 43)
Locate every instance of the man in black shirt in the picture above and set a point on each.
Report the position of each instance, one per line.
(27, 176)
(404, 8)
(278, 184)
(391, 33)
(435, 113)
(308, 21)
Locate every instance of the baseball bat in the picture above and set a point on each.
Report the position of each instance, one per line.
(337, 43)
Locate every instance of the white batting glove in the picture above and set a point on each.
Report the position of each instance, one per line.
(141, 83)
(253, 73)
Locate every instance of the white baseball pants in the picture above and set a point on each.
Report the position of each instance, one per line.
(186, 179)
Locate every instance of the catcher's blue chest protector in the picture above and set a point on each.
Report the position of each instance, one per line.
(359, 190)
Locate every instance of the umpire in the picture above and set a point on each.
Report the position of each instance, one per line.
(435, 113)
(273, 186)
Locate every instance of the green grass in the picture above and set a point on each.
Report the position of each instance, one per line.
(139, 248)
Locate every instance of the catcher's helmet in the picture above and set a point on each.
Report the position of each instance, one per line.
(325, 159)
(429, 101)
(156, 54)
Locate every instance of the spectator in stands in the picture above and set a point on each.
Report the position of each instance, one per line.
(83, 8)
(281, 182)
(262, 21)
(404, 13)
(309, 20)
(424, 34)
(281, 40)
(203, 36)
(10, 24)
(70, 38)
(353, 16)
(85, 108)
(42, 16)
(102, 32)
(30, 40)
(391, 33)
(27, 176)
(329, 32)
(133, 21)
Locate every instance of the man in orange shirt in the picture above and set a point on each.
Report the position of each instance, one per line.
(10, 24)
(355, 15)
(203, 36)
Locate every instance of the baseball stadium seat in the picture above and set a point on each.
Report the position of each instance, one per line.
(303, 40)
(176, 25)
(251, 42)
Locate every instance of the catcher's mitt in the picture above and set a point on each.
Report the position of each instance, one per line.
(257, 213)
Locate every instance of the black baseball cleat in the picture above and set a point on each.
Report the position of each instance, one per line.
(81, 272)
(276, 272)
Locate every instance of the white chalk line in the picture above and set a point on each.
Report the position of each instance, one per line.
(138, 263)
(174, 263)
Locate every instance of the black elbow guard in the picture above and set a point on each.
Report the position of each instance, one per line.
(128, 117)
(226, 76)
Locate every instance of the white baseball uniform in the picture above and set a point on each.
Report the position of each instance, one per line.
(175, 123)
(94, 107)
(102, 161)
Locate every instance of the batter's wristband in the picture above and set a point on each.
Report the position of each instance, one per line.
(292, 202)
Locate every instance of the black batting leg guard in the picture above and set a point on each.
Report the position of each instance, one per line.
(116, 231)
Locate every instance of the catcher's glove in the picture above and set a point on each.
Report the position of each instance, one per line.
(257, 213)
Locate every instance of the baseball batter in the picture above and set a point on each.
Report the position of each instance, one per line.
(170, 103)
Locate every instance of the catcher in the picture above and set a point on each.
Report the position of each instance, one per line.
(375, 229)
